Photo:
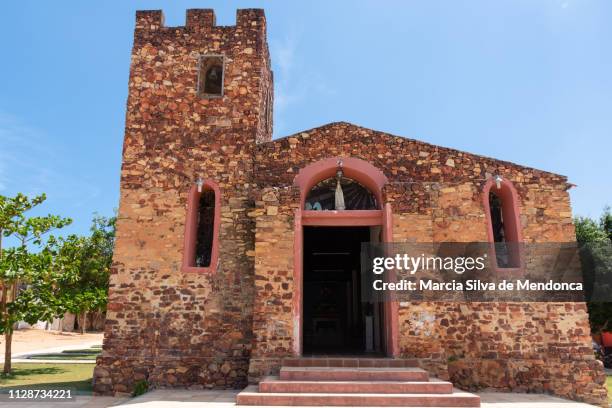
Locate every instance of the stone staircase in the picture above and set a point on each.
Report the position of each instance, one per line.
(340, 381)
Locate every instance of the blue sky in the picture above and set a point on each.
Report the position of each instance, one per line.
(525, 81)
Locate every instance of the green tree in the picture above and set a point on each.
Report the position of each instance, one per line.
(588, 230)
(595, 239)
(606, 222)
(90, 257)
(27, 280)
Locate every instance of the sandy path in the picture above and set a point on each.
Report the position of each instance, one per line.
(25, 340)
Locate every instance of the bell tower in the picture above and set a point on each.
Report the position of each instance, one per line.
(199, 100)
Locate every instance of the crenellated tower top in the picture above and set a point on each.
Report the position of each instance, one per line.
(199, 20)
(220, 75)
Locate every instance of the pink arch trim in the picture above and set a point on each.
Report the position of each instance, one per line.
(510, 209)
(371, 178)
(353, 168)
(512, 223)
(191, 229)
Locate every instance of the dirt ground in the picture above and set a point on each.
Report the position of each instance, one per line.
(25, 340)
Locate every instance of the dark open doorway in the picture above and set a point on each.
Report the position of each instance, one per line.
(336, 321)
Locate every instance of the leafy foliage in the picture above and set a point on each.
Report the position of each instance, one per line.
(28, 280)
(588, 230)
(85, 288)
(140, 388)
(606, 222)
(65, 274)
(596, 237)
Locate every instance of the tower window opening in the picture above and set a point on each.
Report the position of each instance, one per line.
(210, 76)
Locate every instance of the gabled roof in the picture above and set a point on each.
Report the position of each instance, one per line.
(367, 134)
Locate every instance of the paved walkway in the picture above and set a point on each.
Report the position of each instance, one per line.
(511, 400)
(226, 399)
(23, 357)
(31, 340)
(80, 401)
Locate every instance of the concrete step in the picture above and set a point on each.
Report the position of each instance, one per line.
(353, 374)
(250, 396)
(276, 385)
(347, 362)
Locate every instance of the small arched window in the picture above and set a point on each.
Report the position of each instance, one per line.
(210, 76)
(497, 217)
(206, 225)
(202, 228)
(503, 223)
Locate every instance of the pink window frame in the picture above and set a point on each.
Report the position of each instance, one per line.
(512, 223)
(191, 230)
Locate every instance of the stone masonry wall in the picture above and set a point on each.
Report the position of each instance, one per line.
(273, 322)
(166, 326)
(523, 347)
(436, 195)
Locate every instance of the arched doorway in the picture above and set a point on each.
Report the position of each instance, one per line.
(340, 207)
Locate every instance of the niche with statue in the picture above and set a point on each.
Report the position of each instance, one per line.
(340, 193)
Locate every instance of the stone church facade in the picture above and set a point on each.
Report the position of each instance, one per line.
(208, 284)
